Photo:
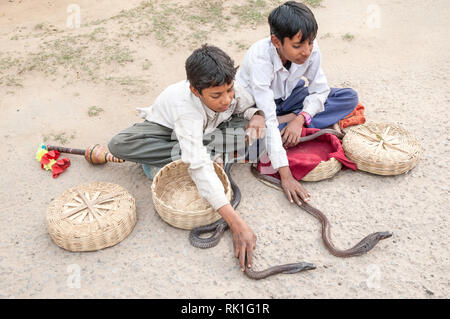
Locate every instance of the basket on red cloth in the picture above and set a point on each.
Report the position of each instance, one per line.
(313, 160)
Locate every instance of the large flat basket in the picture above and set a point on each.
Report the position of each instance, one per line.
(382, 148)
(91, 216)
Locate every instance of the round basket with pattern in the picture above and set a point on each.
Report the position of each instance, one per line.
(381, 148)
(177, 200)
(91, 216)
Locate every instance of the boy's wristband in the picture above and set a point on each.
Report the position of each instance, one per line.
(307, 117)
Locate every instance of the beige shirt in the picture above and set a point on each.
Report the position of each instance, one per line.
(262, 74)
(179, 109)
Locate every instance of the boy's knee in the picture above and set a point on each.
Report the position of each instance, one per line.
(114, 145)
(353, 95)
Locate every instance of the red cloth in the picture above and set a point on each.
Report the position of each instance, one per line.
(49, 156)
(354, 118)
(60, 166)
(304, 157)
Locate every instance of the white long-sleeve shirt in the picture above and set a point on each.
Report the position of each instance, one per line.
(262, 74)
(179, 109)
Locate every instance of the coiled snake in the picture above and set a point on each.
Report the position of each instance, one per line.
(218, 227)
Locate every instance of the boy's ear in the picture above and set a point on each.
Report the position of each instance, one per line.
(194, 91)
(275, 41)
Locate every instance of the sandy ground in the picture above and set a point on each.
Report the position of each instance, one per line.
(400, 71)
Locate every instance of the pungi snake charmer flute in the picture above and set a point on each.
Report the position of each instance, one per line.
(94, 154)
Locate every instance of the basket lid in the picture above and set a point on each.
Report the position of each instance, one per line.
(91, 216)
(382, 148)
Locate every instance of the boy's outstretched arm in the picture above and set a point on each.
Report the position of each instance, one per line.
(244, 240)
(189, 131)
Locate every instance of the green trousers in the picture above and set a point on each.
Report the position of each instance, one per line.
(153, 144)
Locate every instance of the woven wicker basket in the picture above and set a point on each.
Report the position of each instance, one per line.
(381, 148)
(177, 200)
(107, 219)
(325, 169)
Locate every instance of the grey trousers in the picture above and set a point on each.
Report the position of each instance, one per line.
(157, 145)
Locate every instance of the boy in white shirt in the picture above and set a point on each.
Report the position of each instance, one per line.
(205, 113)
(272, 72)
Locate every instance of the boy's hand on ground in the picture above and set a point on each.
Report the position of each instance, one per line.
(244, 241)
(292, 132)
(256, 128)
(292, 188)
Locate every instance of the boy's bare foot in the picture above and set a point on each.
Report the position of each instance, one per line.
(335, 127)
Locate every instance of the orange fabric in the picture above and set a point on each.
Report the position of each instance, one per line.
(354, 118)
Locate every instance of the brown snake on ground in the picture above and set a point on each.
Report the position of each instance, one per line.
(366, 244)
(218, 227)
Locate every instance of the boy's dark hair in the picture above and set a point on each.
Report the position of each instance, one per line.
(291, 17)
(209, 66)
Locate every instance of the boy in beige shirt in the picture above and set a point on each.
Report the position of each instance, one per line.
(197, 118)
